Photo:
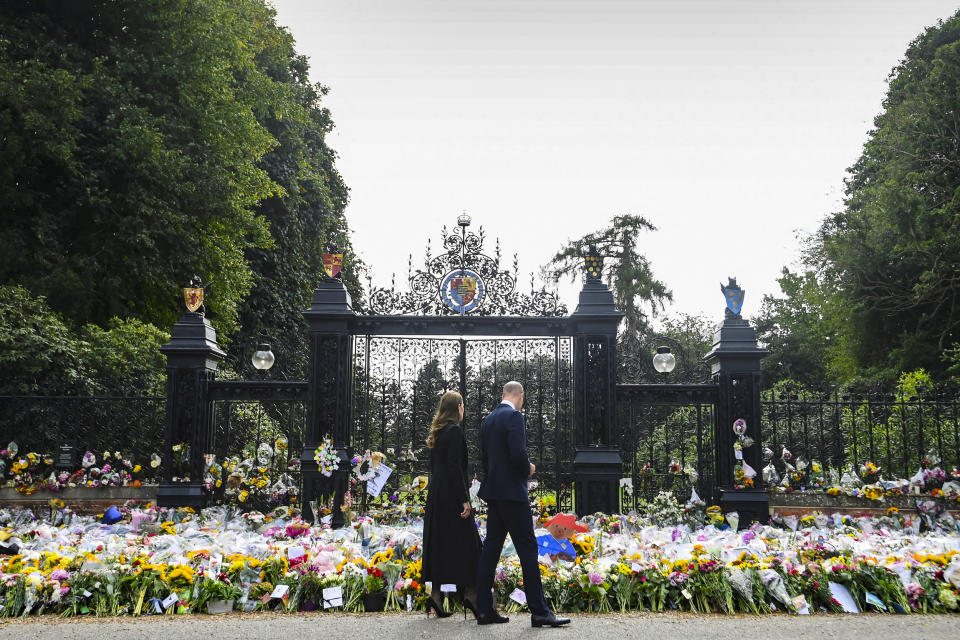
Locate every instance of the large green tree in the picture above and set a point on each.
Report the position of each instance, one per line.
(800, 328)
(892, 254)
(148, 141)
(626, 270)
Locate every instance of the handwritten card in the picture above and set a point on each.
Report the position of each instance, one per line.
(519, 596)
(294, 553)
(842, 595)
(333, 597)
(800, 604)
(448, 588)
(280, 591)
(170, 600)
(376, 483)
(875, 601)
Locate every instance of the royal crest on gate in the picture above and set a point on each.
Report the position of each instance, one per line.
(733, 296)
(462, 290)
(332, 263)
(193, 298)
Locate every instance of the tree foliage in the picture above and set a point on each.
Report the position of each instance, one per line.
(40, 353)
(800, 329)
(892, 254)
(627, 271)
(148, 141)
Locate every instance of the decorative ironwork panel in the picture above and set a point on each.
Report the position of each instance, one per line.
(666, 440)
(463, 280)
(133, 425)
(398, 382)
(635, 362)
(263, 390)
(849, 426)
(257, 447)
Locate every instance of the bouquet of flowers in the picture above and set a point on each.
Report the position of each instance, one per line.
(326, 458)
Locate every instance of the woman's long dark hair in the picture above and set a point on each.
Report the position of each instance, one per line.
(448, 412)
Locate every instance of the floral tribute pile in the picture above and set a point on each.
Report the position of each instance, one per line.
(864, 481)
(670, 556)
(28, 472)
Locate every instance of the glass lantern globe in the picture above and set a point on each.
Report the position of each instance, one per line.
(263, 358)
(664, 361)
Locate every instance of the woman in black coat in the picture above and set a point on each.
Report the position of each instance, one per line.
(451, 543)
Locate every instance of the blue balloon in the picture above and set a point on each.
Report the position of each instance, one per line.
(111, 516)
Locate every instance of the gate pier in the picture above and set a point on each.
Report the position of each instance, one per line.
(597, 464)
(735, 364)
(331, 319)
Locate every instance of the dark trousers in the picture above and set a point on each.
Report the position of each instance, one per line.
(514, 518)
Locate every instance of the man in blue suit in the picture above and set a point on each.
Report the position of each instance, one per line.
(506, 469)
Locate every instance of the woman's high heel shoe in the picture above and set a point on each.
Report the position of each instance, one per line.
(469, 605)
(437, 609)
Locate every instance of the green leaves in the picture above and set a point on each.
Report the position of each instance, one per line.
(888, 264)
(145, 146)
(627, 271)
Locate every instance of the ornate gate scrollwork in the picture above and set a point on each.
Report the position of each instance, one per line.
(463, 280)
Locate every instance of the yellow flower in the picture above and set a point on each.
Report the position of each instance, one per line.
(182, 575)
(168, 527)
(382, 556)
(137, 468)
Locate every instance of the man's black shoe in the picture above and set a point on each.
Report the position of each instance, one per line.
(548, 620)
(491, 618)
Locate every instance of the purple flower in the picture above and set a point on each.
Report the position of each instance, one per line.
(59, 574)
(595, 578)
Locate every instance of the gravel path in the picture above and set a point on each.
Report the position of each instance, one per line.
(662, 626)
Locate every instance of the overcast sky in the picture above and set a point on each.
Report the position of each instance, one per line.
(728, 124)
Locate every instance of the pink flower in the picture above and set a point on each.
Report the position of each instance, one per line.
(595, 578)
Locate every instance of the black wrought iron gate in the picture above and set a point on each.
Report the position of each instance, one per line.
(398, 382)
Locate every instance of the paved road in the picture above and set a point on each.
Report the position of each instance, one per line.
(306, 626)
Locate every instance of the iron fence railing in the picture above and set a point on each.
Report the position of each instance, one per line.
(839, 427)
(666, 438)
(259, 430)
(132, 425)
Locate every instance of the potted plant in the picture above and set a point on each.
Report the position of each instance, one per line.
(218, 596)
(374, 598)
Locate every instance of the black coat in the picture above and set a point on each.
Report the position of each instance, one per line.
(503, 455)
(451, 544)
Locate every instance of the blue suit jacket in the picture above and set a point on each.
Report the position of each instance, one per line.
(503, 455)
